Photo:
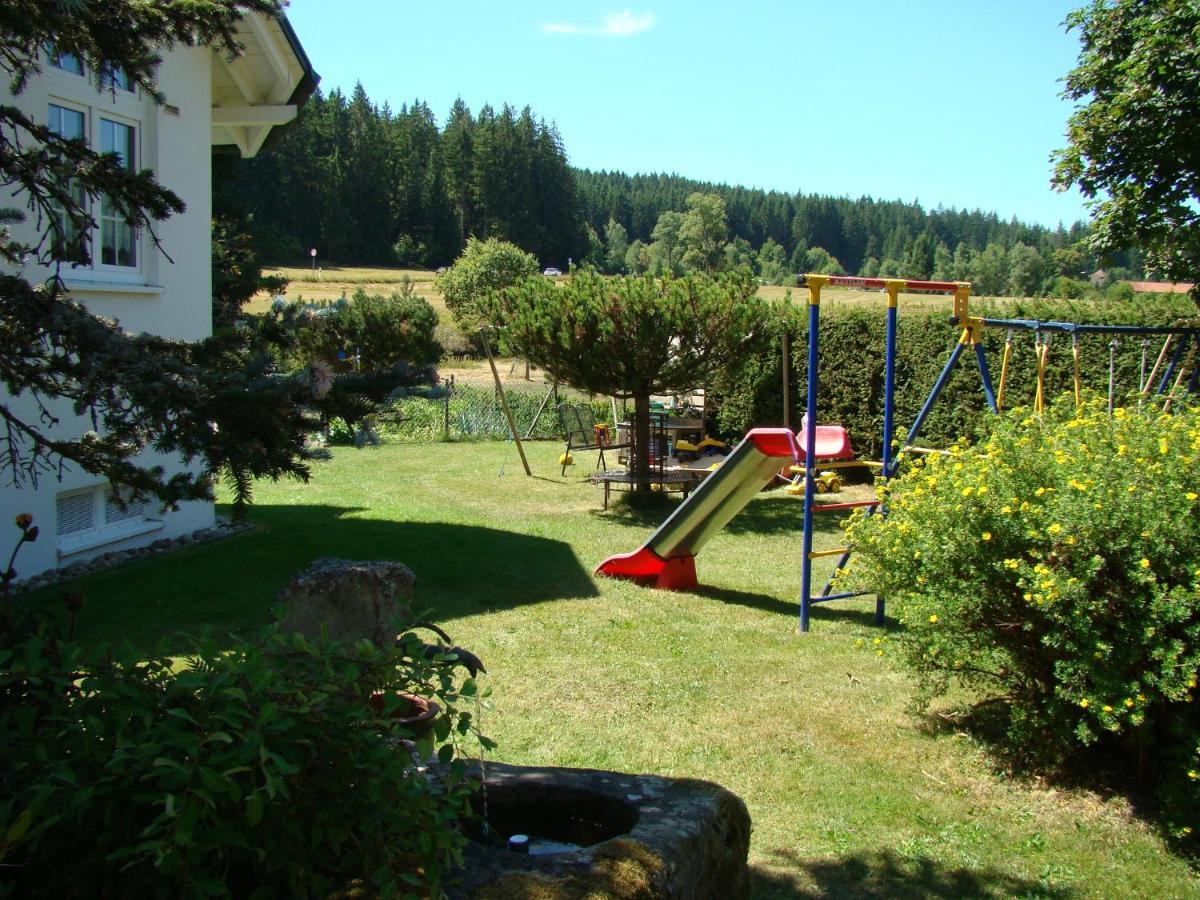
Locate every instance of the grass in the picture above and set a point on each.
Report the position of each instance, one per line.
(849, 793)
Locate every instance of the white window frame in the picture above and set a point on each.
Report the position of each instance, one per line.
(90, 94)
(102, 530)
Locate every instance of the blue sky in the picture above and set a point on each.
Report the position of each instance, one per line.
(950, 103)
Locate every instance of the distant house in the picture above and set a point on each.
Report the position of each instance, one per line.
(211, 102)
(1098, 278)
(1160, 287)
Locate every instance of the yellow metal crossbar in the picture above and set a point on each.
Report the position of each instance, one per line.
(836, 551)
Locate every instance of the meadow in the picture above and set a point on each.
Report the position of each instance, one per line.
(850, 793)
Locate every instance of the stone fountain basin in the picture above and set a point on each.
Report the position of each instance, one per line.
(638, 836)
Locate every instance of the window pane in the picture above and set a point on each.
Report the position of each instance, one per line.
(118, 138)
(111, 77)
(69, 123)
(113, 512)
(68, 62)
(75, 512)
(118, 238)
(65, 122)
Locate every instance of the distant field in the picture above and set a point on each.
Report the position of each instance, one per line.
(335, 282)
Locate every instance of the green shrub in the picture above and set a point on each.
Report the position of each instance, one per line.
(379, 331)
(258, 770)
(1054, 569)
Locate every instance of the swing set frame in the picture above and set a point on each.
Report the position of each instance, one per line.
(971, 335)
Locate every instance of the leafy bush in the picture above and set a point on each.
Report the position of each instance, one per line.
(380, 331)
(1054, 569)
(260, 770)
(484, 267)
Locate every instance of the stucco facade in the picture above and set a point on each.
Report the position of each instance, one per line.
(129, 280)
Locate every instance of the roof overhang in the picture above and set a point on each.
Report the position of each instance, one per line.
(259, 91)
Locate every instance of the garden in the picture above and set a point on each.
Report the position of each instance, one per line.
(850, 792)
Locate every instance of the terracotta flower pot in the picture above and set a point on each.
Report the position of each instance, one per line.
(411, 711)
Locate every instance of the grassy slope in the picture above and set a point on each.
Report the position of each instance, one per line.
(849, 794)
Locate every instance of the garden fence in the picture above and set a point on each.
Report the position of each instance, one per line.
(466, 412)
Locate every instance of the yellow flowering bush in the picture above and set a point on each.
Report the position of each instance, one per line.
(1053, 567)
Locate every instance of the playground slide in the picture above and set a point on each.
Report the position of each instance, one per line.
(667, 559)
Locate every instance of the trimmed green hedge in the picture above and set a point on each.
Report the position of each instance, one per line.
(852, 360)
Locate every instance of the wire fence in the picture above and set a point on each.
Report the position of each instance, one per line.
(462, 412)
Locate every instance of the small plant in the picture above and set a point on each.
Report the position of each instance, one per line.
(1054, 569)
(261, 769)
(29, 534)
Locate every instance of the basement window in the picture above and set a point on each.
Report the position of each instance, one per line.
(99, 515)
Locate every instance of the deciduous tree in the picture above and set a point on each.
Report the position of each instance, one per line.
(1134, 139)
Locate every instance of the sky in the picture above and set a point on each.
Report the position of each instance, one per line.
(953, 103)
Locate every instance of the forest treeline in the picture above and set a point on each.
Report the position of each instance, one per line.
(367, 185)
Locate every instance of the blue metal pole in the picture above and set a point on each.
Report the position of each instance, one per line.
(810, 443)
(981, 358)
(937, 389)
(1166, 378)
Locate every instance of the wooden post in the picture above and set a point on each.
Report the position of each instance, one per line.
(512, 425)
(787, 373)
(446, 411)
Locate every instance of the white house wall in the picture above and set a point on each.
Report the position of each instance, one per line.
(168, 297)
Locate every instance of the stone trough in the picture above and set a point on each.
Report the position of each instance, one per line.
(594, 833)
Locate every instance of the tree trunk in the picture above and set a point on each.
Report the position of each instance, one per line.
(641, 441)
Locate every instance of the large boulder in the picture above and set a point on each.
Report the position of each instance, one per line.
(349, 599)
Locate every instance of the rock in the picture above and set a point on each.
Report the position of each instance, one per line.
(350, 600)
(675, 838)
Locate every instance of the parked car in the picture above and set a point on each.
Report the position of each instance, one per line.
(552, 272)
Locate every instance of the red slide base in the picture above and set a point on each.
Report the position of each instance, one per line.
(649, 569)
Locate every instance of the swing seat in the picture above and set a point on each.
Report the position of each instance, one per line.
(832, 442)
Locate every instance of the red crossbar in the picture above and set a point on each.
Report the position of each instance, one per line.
(880, 283)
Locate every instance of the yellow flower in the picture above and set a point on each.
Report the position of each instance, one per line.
(1070, 539)
(1055, 528)
(1128, 703)
(1108, 708)
(933, 619)
(983, 490)
(987, 535)
(1084, 702)
(1145, 563)
(1011, 563)
(1039, 492)
(1191, 495)
(1193, 774)
(1132, 488)
(968, 491)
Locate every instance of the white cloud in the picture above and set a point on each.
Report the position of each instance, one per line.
(622, 24)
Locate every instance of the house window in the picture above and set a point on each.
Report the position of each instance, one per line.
(113, 247)
(118, 237)
(98, 515)
(68, 62)
(116, 79)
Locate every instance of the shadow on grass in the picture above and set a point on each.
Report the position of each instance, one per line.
(775, 606)
(883, 873)
(231, 584)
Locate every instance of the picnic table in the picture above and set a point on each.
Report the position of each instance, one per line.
(670, 480)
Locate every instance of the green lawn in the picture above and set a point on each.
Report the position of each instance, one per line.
(849, 793)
